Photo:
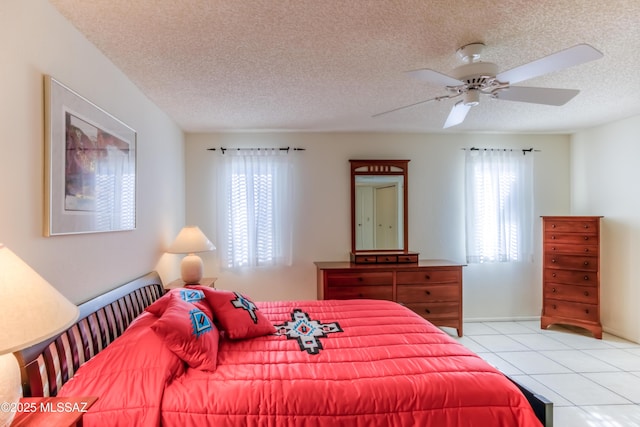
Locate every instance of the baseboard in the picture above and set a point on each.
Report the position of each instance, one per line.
(502, 319)
(618, 334)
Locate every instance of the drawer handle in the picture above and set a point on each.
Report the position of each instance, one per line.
(586, 237)
(360, 295)
(360, 279)
(586, 249)
(586, 310)
(586, 263)
(586, 294)
(427, 292)
(586, 226)
(554, 306)
(426, 310)
(553, 237)
(553, 290)
(554, 275)
(553, 260)
(586, 277)
(386, 259)
(553, 249)
(426, 276)
(553, 226)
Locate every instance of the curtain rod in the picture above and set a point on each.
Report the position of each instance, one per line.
(223, 149)
(524, 150)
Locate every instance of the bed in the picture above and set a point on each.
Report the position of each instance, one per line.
(306, 363)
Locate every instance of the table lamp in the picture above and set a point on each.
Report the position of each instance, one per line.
(189, 241)
(31, 310)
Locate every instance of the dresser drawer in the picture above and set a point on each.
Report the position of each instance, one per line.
(575, 238)
(387, 259)
(435, 310)
(335, 279)
(427, 293)
(573, 226)
(586, 263)
(360, 292)
(365, 259)
(409, 258)
(587, 278)
(567, 248)
(572, 310)
(427, 275)
(584, 294)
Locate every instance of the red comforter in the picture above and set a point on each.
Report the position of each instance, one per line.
(337, 363)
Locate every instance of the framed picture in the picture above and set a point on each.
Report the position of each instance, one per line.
(90, 166)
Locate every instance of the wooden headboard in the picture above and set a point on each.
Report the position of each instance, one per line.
(46, 366)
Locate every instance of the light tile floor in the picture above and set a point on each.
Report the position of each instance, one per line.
(592, 383)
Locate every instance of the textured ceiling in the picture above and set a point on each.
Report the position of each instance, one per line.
(329, 65)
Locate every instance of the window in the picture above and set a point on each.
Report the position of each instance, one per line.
(255, 222)
(499, 205)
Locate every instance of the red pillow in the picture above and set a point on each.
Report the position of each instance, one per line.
(193, 296)
(189, 333)
(237, 315)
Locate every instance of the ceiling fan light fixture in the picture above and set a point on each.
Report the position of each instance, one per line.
(471, 98)
(471, 52)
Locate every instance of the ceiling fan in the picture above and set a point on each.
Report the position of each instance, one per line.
(475, 78)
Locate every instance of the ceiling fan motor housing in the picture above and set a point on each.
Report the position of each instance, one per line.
(475, 73)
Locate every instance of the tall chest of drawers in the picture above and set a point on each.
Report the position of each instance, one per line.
(571, 272)
(431, 288)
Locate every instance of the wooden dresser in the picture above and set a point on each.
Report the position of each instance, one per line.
(431, 288)
(571, 272)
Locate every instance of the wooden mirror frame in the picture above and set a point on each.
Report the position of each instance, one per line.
(380, 167)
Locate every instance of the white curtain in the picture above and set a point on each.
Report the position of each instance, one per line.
(499, 205)
(254, 191)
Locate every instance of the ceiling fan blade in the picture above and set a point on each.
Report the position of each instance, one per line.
(537, 95)
(434, 77)
(437, 98)
(457, 114)
(575, 55)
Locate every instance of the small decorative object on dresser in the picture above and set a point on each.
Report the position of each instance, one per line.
(431, 288)
(571, 272)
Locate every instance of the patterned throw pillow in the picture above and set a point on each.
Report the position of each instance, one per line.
(193, 296)
(189, 333)
(237, 315)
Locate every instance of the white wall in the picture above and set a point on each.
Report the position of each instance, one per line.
(605, 176)
(436, 215)
(36, 40)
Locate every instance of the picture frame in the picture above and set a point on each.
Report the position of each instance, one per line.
(90, 166)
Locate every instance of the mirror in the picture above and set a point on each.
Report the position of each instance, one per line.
(379, 205)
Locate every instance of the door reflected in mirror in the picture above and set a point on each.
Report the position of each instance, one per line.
(379, 212)
(379, 206)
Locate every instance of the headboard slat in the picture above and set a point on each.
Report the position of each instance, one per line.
(111, 322)
(85, 339)
(46, 366)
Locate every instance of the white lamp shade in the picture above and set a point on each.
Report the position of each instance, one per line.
(191, 240)
(31, 310)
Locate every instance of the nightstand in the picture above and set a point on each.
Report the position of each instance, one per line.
(52, 411)
(179, 283)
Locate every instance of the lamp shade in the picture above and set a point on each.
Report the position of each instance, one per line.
(190, 240)
(31, 310)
